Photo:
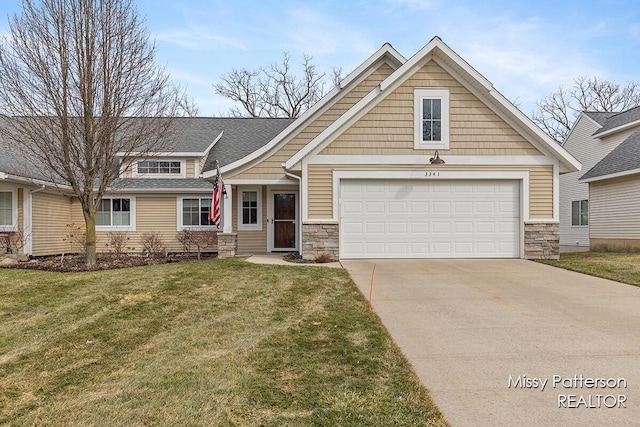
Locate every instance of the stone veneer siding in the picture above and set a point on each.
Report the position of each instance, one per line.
(318, 239)
(227, 245)
(541, 240)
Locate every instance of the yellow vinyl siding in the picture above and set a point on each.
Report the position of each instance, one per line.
(153, 213)
(320, 190)
(50, 215)
(320, 185)
(251, 241)
(388, 129)
(541, 192)
(191, 169)
(271, 167)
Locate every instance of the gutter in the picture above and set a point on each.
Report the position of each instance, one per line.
(3, 175)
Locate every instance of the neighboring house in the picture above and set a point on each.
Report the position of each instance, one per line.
(359, 175)
(614, 187)
(352, 177)
(574, 194)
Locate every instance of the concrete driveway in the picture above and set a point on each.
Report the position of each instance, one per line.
(485, 335)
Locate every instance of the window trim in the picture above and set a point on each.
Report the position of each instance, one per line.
(14, 211)
(182, 174)
(250, 227)
(180, 219)
(431, 93)
(132, 213)
(579, 213)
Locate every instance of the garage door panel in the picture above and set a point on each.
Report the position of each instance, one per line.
(397, 207)
(398, 227)
(429, 219)
(419, 207)
(439, 207)
(375, 228)
(483, 227)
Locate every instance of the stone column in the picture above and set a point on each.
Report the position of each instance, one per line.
(319, 239)
(541, 240)
(227, 245)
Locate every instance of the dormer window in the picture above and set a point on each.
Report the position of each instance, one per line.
(160, 168)
(431, 117)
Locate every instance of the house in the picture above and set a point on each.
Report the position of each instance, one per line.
(614, 186)
(596, 206)
(574, 194)
(406, 158)
(164, 193)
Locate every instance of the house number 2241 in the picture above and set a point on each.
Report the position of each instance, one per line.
(431, 174)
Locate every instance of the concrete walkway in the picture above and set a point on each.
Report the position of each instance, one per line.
(276, 259)
(484, 335)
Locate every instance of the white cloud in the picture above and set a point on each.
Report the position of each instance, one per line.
(322, 35)
(196, 38)
(414, 4)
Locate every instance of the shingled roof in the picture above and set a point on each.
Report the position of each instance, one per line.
(599, 116)
(625, 157)
(239, 137)
(620, 119)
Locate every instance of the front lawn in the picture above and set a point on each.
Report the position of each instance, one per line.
(621, 267)
(210, 343)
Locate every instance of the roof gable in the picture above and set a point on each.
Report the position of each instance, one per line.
(438, 51)
(385, 55)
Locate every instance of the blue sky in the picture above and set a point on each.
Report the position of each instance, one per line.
(525, 48)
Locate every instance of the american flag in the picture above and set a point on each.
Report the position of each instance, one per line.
(218, 192)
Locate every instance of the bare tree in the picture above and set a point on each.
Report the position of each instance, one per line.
(79, 86)
(556, 113)
(275, 91)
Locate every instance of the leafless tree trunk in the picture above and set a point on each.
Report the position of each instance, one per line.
(275, 91)
(79, 87)
(556, 112)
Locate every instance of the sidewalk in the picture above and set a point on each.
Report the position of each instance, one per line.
(276, 259)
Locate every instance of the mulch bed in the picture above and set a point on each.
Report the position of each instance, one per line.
(75, 263)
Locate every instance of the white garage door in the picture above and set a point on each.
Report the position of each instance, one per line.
(429, 219)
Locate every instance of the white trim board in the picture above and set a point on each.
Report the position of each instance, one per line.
(421, 160)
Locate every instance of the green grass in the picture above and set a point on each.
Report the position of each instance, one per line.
(621, 267)
(212, 343)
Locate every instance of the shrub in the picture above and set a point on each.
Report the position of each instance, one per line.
(117, 240)
(200, 239)
(324, 257)
(75, 235)
(152, 244)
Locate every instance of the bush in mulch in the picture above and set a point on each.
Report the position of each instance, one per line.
(75, 263)
(297, 258)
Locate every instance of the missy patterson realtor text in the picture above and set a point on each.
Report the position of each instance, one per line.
(602, 396)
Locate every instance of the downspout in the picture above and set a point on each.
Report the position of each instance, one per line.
(299, 179)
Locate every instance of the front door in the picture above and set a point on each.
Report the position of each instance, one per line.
(284, 221)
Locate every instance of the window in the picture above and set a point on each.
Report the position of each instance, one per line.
(249, 210)
(195, 213)
(160, 167)
(6, 210)
(115, 213)
(580, 212)
(431, 109)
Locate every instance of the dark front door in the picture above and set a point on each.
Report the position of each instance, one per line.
(284, 221)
